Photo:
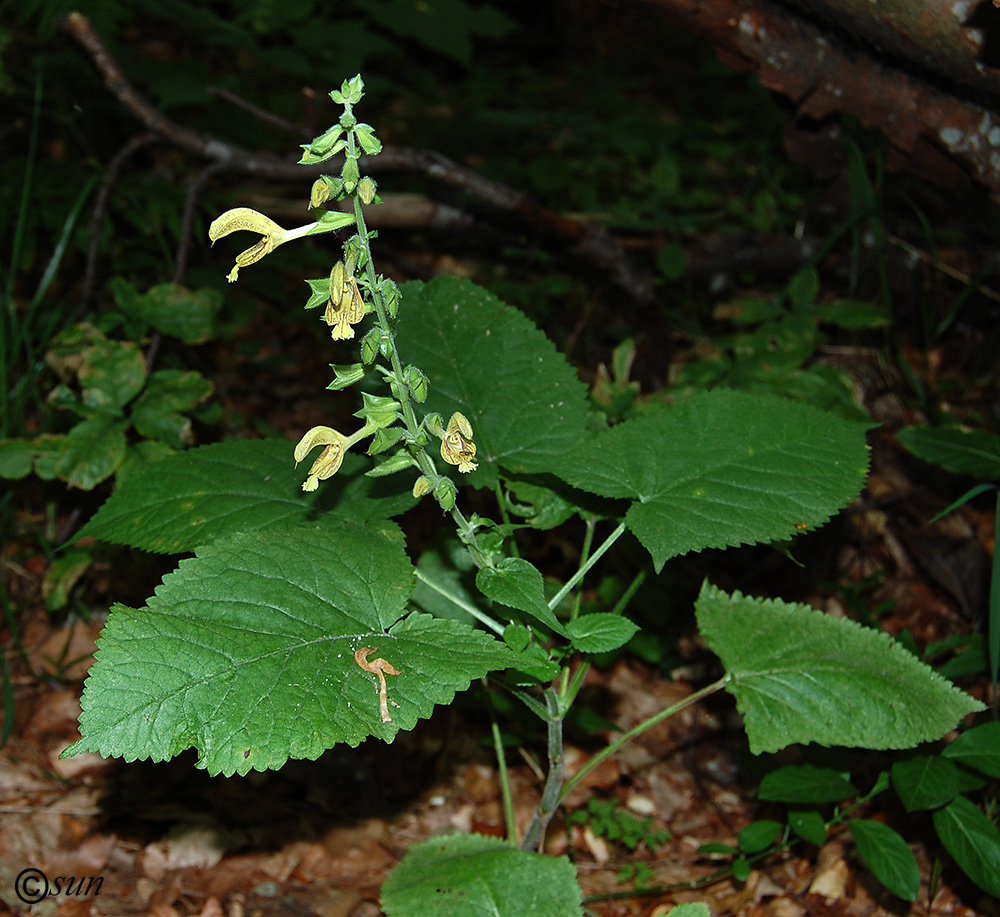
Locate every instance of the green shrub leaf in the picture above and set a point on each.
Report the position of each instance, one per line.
(925, 782)
(194, 497)
(16, 457)
(799, 675)
(809, 825)
(91, 452)
(974, 452)
(467, 874)
(171, 308)
(253, 676)
(758, 835)
(979, 748)
(724, 468)
(487, 360)
(887, 856)
(805, 783)
(973, 841)
(601, 632)
(157, 413)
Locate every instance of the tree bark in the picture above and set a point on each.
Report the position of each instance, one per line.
(918, 71)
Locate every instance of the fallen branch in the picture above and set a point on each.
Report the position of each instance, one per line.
(585, 240)
(938, 131)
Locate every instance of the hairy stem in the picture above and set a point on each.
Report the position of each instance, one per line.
(551, 794)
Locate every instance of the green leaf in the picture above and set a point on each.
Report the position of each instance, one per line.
(854, 314)
(157, 413)
(91, 452)
(799, 675)
(973, 841)
(724, 468)
(804, 783)
(600, 632)
(487, 360)
(887, 855)
(809, 825)
(16, 457)
(470, 874)
(171, 308)
(691, 909)
(803, 288)
(211, 492)
(925, 782)
(545, 508)
(518, 584)
(446, 27)
(112, 374)
(978, 747)
(63, 574)
(253, 676)
(973, 452)
(441, 588)
(758, 835)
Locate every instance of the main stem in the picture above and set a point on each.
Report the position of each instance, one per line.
(551, 796)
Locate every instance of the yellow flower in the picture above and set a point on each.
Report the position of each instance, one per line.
(332, 456)
(272, 235)
(345, 306)
(457, 447)
(330, 459)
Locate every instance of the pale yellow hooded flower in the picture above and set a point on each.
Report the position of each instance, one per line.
(272, 235)
(331, 458)
(457, 447)
(345, 307)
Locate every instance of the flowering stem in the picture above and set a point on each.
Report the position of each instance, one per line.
(401, 390)
(468, 607)
(602, 756)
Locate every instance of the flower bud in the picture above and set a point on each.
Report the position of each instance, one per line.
(350, 175)
(366, 190)
(417, 383)
(369, 346)
(366, 137)
(445, 493)
(390, 293)
(319, 194)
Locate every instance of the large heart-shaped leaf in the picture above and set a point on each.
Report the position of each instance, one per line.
(724, 468)
(247, 652)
